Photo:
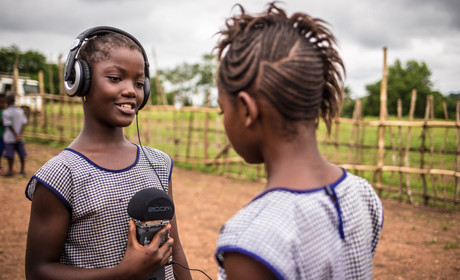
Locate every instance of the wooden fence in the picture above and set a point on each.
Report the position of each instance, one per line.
(414, 160)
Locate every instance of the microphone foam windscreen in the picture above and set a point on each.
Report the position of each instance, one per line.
(151, 204)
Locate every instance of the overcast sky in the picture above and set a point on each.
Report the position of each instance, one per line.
(183, 30)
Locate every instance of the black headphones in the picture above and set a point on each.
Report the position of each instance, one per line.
(77, 74)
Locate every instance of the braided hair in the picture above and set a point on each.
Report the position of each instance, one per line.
(98, 48)
(291, 61)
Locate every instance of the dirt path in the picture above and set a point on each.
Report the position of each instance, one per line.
(417, 242)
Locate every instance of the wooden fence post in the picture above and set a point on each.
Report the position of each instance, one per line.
(383, 116)
(457, 148)
(400, 154)
(161, 96)
(191, 119)
(14, 86)
(355, 136)
(423, 148)
(175, 127)
(441, 150)
(407, 151)
(61, 100)
(41, 90)
(432, 179)
(206, 127)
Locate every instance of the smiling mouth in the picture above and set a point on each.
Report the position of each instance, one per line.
(127, 106)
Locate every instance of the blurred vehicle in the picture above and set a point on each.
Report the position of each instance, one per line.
(27, 94)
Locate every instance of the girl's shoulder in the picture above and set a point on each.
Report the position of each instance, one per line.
(156, 155)
(274, 207)
(55, 172)
(65, 157)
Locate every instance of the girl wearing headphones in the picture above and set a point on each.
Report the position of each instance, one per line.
(277, 76)
(79, 226)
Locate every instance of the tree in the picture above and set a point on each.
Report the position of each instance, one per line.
(180, 80)
(7, 58)
(153, 91)
(29, 63)
(188, 80)
(348, 104)
(401, 81)
(451, 104)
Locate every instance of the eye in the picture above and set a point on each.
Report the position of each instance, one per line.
(114, 79)
(140, 85)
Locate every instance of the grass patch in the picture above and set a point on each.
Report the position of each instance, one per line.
(192, 137)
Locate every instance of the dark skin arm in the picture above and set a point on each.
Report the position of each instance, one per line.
(178, 252)
(48, 226)
(241, 267)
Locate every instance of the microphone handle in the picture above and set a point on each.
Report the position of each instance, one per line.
(144, 236)
(158, 274)
(146, 233)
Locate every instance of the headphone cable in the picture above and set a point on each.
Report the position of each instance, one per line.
(139, 139)
(145, 154)
(191, 269)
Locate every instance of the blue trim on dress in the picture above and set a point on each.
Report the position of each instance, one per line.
(66, 203)
(333, 195)
(170, 172)
(27, 188)
(106, 169)
(333, 185)
(330, 191)
(235, 249)
(383, 217)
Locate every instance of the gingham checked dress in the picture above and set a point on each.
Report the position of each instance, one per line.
(98, 201)
(326, 233)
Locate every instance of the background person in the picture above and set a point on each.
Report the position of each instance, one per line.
(14, 121)
(2, 128)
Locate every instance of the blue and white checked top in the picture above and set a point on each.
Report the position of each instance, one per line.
(98, 201)
(325, 233)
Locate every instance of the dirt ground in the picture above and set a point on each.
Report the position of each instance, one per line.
(417, 242)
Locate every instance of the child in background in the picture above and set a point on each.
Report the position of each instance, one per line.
(14, 121)
(277, 77)
(79, 226)
(2, 128)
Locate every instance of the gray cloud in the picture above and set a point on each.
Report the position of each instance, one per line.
(182, 30)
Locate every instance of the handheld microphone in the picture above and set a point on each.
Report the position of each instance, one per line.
(151, 209)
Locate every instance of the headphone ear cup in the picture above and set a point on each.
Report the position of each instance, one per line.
(146, 92)
(85, 78)
(80, 79)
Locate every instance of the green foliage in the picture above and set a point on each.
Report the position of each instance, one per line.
(188, 79)
(348, 104)
(154, 97)
(401, 80)
(7, 58)
(29, 63)
(451, 103)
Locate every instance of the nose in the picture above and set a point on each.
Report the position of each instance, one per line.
(129, 89)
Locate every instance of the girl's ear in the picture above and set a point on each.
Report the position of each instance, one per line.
(248, 107)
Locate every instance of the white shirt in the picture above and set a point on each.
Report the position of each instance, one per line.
(14, 117)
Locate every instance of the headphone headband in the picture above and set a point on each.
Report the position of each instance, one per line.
(74, 75)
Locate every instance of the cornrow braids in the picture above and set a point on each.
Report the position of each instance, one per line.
(291, 61)
(98, 48)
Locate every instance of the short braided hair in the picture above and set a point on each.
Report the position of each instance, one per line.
(98, 48)
(291, 61)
